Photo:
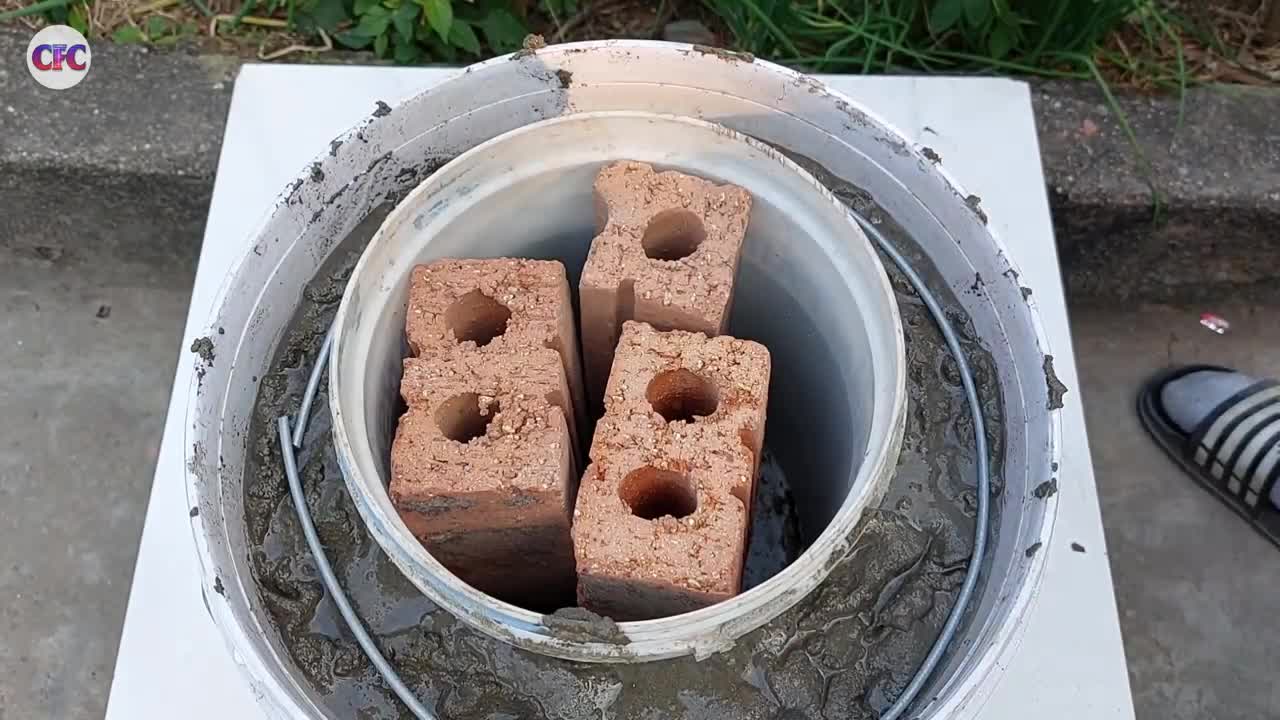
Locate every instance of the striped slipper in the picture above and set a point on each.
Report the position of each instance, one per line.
(1234, 452)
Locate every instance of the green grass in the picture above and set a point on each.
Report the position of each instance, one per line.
(44, 7)
(1051, 38)
(1097, 40)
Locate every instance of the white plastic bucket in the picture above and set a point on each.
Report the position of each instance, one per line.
(386, 155)
(810, 288)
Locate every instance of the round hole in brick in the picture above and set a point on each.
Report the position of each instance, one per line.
(673, 234)
(682, 395)
(476, 317)
(652, 493)
(461, 419)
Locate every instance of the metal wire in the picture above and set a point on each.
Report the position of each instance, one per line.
(357, 628)
(289, 441)
(313, 384)
(984, 474)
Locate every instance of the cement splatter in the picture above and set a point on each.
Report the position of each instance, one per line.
(1046, 489)
(931, 155)
(1056, 388)
(975, 204)
(204, 348)
(726, 55)
(978, 284)
(580, 625)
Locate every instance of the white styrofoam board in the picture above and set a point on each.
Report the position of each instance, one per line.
(1070, 663)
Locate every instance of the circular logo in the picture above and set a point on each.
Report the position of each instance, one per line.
(58, 57)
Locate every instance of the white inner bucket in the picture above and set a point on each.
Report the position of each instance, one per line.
(810, 288)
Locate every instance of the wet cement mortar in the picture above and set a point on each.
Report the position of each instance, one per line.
(846, 651)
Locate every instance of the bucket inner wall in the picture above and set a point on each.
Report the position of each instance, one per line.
(790, 296)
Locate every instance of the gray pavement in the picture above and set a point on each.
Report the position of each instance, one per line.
(1198, 592)
(86, 363)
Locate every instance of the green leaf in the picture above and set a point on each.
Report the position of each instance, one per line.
(461, 35)
(326, 14)
(1001, 41)
(945, 14)
(353, 40)
(440, 16)
(57, 14)
(403, 19)
(406, 52)
(374, 22)
(128, 34)
(380, 46)
(78, 18)
(363, 6)
(976, 12)
(156, 26)
(503, 31)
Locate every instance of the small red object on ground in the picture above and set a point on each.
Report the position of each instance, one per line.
(1216, 323)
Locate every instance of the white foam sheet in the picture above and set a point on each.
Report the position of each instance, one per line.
(1070, 663)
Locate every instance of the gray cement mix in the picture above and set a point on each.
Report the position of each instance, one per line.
(847, 650)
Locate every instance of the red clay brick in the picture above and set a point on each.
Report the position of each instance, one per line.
(483, 463)
(667, 254)
(494, 309)
(661, 521)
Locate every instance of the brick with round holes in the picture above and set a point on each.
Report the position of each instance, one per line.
(482, 472)
(667, 253)
(483, 465)
(493, 309)
(660, 526)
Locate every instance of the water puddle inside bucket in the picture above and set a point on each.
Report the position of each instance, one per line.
(845, 651)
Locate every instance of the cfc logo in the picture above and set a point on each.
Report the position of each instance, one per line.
(58, 57)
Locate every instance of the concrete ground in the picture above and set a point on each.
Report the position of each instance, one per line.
(1198, 591)
(90, 345)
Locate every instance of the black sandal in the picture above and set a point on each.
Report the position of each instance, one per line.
(1234, 452)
